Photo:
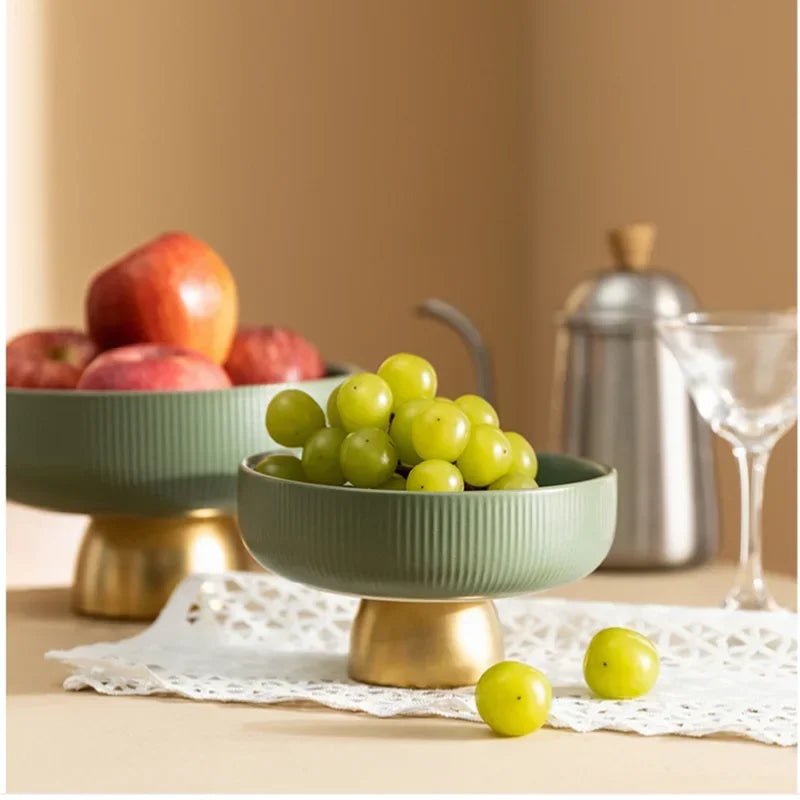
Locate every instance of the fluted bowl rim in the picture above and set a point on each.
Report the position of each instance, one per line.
(605, 471)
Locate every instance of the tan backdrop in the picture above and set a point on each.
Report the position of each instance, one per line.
(352, 158)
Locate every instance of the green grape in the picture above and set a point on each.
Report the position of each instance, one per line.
(409, 377)
(292, 416)
(364, 401)
(514, 480)
(513, 698)
(486, 457)
(368, 457)
(334, 420)
(281, 465)
(440, 431)
(435, 475)
(620, 664)
(321, 456)
(400, 429)
(523, 456)
(479, 411)
(395, 483)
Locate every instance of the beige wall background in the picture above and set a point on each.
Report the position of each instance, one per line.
(350, 159)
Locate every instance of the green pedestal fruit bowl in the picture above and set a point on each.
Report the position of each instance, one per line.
(156, 471)
(426, 564)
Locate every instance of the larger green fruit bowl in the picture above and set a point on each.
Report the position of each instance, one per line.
(156, 471)
(427, 546)
(140, 453)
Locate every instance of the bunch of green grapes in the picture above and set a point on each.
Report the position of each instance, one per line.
(389, 430)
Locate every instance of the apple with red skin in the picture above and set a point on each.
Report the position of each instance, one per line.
(51, 358)
(174, 290)
(267, 354)
(153, 368)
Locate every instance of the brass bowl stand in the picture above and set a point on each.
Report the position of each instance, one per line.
(128, 566)
(424, 645)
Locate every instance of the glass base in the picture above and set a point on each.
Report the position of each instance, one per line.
(751, 598)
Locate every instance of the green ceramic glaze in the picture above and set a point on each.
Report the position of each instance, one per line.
(142, 453)
(427, 546)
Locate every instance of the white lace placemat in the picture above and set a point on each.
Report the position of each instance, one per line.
(256, 638)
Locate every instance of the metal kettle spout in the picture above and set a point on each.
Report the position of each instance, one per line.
(469, 333)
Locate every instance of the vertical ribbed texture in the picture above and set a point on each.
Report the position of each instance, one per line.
(148, 453)
(433, 546)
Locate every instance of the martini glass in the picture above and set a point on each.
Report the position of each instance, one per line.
(741, 371)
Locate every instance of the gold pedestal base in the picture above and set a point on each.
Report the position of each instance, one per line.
(424, 645)
(128, 566)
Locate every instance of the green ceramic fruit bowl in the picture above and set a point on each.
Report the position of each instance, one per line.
(139, 453)
(155, 470)
(426, 546)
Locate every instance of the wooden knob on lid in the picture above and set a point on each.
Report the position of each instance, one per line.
(632, 245)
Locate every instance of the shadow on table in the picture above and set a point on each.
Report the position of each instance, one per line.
(42, 604)
(39, 620)
(427, 728)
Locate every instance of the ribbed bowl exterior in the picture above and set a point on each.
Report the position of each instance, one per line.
(141, 453)
(427, 546)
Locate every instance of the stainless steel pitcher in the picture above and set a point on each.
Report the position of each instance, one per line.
(619, 399)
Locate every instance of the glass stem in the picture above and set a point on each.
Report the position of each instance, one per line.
(752, 469)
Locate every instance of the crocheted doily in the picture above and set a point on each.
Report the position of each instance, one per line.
(258, 638)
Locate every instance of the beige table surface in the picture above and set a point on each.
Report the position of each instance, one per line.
(81, 742)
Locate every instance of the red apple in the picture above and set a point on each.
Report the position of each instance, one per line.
(174, 290)
(264, 354)
(48, 359)
(153, 368)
